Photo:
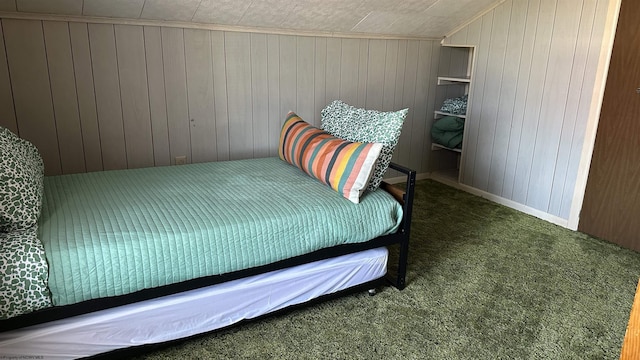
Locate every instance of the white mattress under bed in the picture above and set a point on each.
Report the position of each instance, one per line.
(192, 312)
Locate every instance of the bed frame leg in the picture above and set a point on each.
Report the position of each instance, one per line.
(372, 292)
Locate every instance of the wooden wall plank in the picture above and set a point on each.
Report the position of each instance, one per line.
(273, 79)
(421, 92)
(569, 203)
(134, 92)
(26, 56)
(522, 81)
(320, 76)
(7, 110)
(375, 82)
(260, 95)
(505, 129)
(554, 101)
(470, 145)
(334, 54)
(398, 98)
(533, 103)
(389, 80)
(198, 63)
(108, 100)
(288, 74)
(363, 64)
(220, 94)
(493, 85)
(85, 91)
(175, 80)
(408, 101)
(65, 98)
(305, 54)
(237, 46)
(349, 71)
(566, 145)
(157, 103)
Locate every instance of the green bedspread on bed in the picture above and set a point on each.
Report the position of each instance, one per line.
(115, 232)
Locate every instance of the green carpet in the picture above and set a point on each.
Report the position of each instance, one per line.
(484, 282)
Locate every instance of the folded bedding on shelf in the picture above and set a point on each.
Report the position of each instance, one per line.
(447, 131)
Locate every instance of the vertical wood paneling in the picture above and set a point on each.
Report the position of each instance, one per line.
(488, 116)
(288, 75)
(175, 80)
(107, 92)
(349, 70)
(334, 53)
(135, 89)
(576, 83)
(424, 79)
(597, 32)
(470, 145)
(305, 55)
(198, 61)
(63, 91)
(408, 97)
(524, 74)
(27, 60)
(429, 155)
(377, 54)
(524, 143)
(320, 85)
(555, 94)
(363, 65)
(389, 81)
(260, 95)
(533, 102)
(506, 130)
(157, 105)
(132, 69)
(238, 59)
(273, 78)
(85, 91)
(7, 111)
(220, 94)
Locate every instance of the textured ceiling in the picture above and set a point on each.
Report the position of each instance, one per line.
(423, 18)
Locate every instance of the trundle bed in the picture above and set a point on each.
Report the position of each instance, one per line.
(146, 256)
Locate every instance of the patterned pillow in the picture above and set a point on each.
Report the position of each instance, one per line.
(355, 124)
(21, 182)
(343, 165)
(23, 274)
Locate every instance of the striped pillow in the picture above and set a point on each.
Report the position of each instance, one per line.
(343, 165)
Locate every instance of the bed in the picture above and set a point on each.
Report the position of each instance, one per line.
(145, 256)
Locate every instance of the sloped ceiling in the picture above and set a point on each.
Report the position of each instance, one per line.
(421, 18)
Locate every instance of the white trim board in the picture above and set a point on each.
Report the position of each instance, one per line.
(491, 197)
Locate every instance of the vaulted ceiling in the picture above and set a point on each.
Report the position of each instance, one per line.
(421, 18)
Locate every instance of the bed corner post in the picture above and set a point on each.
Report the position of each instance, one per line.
(405, 228)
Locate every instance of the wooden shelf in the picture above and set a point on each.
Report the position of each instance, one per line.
(442, 113)
(436, 146)
(452, 80)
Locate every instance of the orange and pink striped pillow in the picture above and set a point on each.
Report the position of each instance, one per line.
(343, 165)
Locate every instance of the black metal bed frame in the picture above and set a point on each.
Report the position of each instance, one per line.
(400, 237)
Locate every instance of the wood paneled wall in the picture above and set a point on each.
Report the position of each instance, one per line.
(107, 96)
(534, 78)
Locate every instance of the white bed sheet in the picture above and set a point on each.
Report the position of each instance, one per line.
(192, 312)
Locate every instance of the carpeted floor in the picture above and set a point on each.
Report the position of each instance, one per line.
(484, 282)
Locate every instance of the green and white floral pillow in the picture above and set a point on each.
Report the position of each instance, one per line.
(21, 182)
(23, 274)
(369, 126)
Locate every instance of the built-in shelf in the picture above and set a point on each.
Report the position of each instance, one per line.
(436, 146)
(438, 113)
(450, 80)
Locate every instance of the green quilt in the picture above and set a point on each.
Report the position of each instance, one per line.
(115, 232)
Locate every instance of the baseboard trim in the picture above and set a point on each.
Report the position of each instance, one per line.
(491, 197)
